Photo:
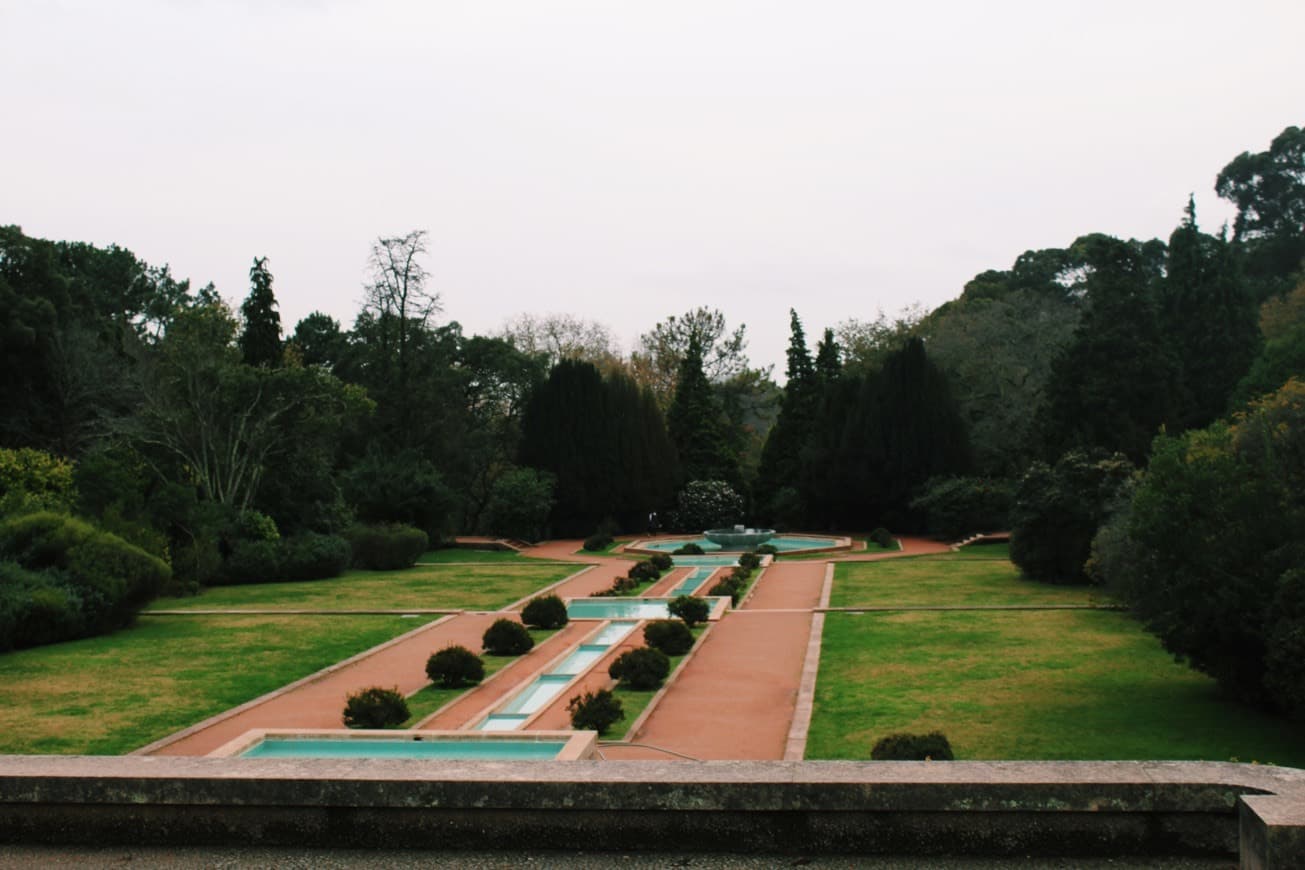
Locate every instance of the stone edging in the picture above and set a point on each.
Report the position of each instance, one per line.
(795, 746)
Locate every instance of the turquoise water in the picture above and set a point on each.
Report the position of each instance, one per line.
(582, 659)
(782, 543)
(618, 608)
(693, 582)
(503, 722)
(466, 749)
(536, 696)
(705, 561)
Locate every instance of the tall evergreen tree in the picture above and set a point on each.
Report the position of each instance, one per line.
(829, 359)
(1210, 321)
(780, 458)
(698, 425)
(260, 342)
(1115, 384)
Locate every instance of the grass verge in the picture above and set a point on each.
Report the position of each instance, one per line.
(1026, 685)
(453, 587)
(110, 694)
(948, 579)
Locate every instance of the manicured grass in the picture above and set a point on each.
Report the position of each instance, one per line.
(964, 578)
(454, 587)
(1028, 685)
(461, 555)
(108, 695)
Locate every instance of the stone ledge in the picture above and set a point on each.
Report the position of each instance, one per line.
(979, 808)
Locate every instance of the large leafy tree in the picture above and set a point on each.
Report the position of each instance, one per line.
(260, 339)
(1115, 385)
(1268, 189)
(659, 359)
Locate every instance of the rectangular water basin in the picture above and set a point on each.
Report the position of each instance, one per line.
(612, 633)
(580, 661)
(503, 722)
(693, 582)
(633, 608)
(409, 745)
(538, 694)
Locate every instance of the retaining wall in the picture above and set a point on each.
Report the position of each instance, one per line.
(901, 808)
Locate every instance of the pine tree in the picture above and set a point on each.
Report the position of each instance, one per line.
(780, 457)
(698, 425)
(829, 359)
(260, 341)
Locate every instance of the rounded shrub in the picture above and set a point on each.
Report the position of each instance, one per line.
(595, 711)
(749, 561)
(689, 549)
(386, 547)
(375, 708)
(691, 610)
(882, 537)
(662, 561)
(507, 637)
(727, 586)
(913, 747)
(643, 572)
(454, 667)
(598, 541)
(546, 611)
(671, 636)
(767, 550)
(251, 561)
(312, 556)
(641, 668)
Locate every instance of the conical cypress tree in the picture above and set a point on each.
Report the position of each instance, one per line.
(698, 425)
(260, 342)
(780, 457)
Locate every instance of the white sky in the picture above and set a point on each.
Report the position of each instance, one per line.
(625, 161)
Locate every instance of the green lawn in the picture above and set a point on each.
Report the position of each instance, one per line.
(460, 555)
(1028, 685)
(455, 587)
(108, 695)
(969, 577)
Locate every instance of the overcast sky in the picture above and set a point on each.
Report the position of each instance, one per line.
(626, 161)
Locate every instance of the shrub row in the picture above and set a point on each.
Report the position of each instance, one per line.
(733, 584)
(63, 578)
(386, 546)
(308, 556)
(640, 573)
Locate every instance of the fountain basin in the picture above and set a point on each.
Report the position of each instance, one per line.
(738, 537)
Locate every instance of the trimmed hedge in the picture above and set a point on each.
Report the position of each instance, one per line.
(662, 561)
(454, 667)
(691, 610)
(642, 668)
(68, 579)
(913, 747)
(376, 708)
(311, 556)
(507, 637)
(546, 611)
(386, 546)
(689, 549)
(595, 711)
(671, 636)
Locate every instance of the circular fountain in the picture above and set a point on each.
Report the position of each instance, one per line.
(738, 537)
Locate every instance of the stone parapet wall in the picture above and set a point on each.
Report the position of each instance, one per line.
(904, 808)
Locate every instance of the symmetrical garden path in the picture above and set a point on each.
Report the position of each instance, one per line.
(734, 697)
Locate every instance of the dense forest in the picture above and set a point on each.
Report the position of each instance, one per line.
(1128, 408)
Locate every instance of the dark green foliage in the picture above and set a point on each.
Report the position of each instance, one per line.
(959, 506)
(519, 504)
(881, 536)
(671, 636)
(313, 557)
(780, 458)
(597, 542)
(595, 711)
(37, 608)
(546, 611)
(641, 668)
(454, 667)
(386, 547)
(1118, 381)
(1282, 357)
(749, 561)
(913, 747)
(260, 340)
(1211, 555)
(507, 637)
(90, 582)
(733, 584)
(767, 550)
(251, 561)
(878, 439)
(708, 504)
(1209, 319)
(400, 487)
(1058, 510)
(375, 708)
(605, 442)
(644, 571)
(689, 549)
(661, 561)
(318, 341)
(691, 610)
(1268, 189)
(698, 426)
